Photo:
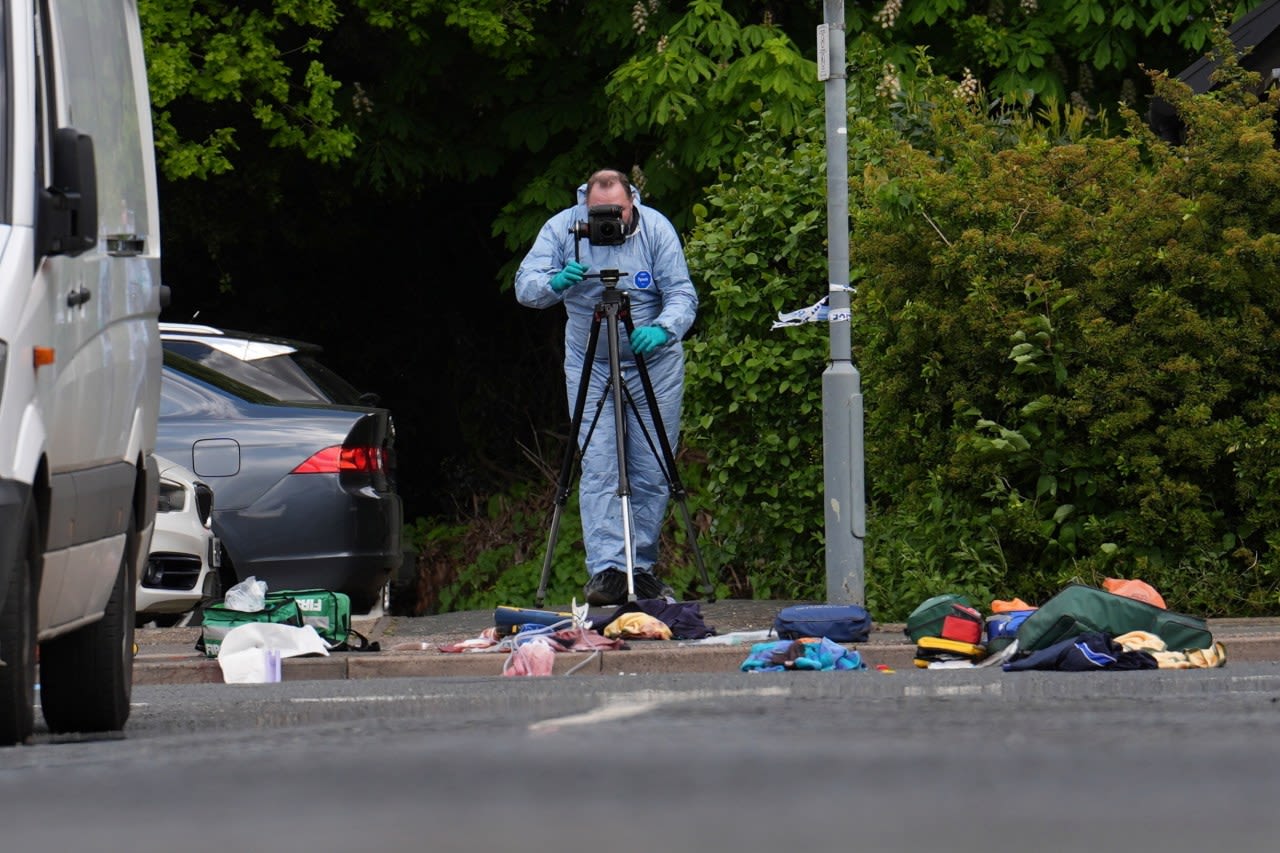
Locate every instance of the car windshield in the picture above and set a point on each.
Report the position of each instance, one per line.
(206, 374)
(293, 377)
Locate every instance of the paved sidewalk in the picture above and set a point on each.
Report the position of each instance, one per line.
(410, 648)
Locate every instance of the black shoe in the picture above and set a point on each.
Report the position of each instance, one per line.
(648, 586)
(606, 587)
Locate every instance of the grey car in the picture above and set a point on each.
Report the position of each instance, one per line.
(304, 492)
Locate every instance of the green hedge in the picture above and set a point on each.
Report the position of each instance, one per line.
(1067, 346)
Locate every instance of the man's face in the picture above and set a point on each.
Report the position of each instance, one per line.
(614, 194)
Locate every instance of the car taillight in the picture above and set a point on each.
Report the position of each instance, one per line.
(336, 459)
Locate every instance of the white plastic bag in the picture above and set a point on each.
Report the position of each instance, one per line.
(248, 596)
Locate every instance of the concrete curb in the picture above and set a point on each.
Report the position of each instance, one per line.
(168, 669)
(168, 656)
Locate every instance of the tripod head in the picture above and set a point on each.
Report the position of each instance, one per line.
(609, 278)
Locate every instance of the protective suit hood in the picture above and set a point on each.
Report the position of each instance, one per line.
(582, 194)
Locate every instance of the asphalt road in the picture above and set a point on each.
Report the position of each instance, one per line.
(963, 760)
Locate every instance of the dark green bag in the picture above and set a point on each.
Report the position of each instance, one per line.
(218, 619)
(926, 620)
(1079, 608)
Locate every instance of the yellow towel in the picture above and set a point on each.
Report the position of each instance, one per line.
(1210, 658)
(1141, 641)
(638, 626)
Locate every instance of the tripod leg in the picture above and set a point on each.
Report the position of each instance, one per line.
(675, 487)
(620, 440)
(551, 549)
(707, 589)
(668, 464)
(566, 465)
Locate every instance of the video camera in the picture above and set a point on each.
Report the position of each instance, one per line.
(603, 227)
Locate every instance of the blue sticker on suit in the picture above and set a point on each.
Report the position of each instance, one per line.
(644, 279)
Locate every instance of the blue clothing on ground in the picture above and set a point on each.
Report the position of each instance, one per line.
(1087, 652)
(784, 655)
(661, 293)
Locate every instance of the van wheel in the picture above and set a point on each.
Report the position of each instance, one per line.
(86, 677)
(18, 640)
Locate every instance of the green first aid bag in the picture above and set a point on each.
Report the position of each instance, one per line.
(218, 619)
(327, 611)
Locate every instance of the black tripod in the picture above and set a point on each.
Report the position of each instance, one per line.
(614, 307)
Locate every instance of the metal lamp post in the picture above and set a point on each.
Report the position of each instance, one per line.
(842, 445)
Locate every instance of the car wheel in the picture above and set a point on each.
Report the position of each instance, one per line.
(404, 599)
(18, 640)
(404, 592)
(86, 676)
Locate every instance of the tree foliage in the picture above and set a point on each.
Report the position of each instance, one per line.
(1066, 343)
(1085, 51)
(239, 63)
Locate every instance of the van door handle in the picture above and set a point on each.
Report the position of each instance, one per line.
(78, 297)
(126, 245)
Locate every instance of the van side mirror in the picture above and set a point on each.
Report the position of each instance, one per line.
(68, 218)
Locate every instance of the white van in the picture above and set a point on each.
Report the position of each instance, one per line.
(80, 358)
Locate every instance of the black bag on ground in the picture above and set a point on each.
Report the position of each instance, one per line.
(1079, 609)
(840, 623)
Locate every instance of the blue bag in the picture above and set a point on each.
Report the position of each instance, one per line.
(1002, 628)
(840, 623)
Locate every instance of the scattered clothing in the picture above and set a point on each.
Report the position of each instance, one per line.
(1209, 658)
(475, 644)
(684, 618)
(638, 626)
(1141, 641)
(584, 640)
(536, 657)
(821, 655)
(1087, 652)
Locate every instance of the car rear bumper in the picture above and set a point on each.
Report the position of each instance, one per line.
(360, 577)
(311, 533)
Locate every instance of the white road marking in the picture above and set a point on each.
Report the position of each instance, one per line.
(643, 701)
(350, 699)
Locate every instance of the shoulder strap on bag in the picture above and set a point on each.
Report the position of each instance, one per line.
(357, 642)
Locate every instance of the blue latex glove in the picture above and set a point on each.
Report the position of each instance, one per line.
(568, 277)
(646, 339)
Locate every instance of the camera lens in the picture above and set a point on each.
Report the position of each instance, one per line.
(608, 230)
